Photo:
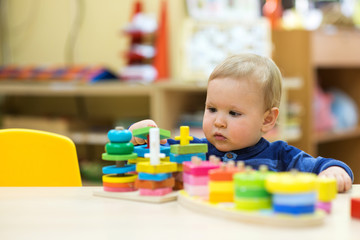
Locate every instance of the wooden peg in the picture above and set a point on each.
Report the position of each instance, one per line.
(240, 165)
(155, 154)
(184, 135)
(230, 164)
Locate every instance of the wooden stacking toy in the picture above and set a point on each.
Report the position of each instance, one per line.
(250, 192)
(293, 192)
(260, 196)
(183, 152)
(196, 176)
(327, 190)
(155, 177)
(221, 182)
(117, 178)
(141, 150)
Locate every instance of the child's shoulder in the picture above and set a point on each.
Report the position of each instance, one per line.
(282, 145)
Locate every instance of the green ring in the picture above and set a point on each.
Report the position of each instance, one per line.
(126, 157)
(244, 192)
(119, 148)
(252, 203)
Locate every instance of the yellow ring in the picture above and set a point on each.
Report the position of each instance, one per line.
(289, 182)
(113, 178)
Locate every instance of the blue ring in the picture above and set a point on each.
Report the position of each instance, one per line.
(295, 210)
(154, 177)
(113, 169)
(141, 150)
(294, 199)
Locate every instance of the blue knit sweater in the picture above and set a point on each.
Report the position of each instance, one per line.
(278, 156)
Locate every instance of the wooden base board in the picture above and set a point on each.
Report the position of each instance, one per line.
(135, 196)
(258, 217)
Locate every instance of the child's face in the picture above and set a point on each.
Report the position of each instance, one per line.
(234, 114)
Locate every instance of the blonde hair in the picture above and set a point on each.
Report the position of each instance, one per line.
(255, 68)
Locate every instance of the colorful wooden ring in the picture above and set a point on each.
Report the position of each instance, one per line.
(154, 177)
(289, 182)
(180, 158)
(141, 150)
(327, 189)
(294, 210)
(163, 167)
(252, 203)
(294, 199)
(119, 148)
(253, 179)
(119, 136)
(244, 192)
(113, 169)
(113, 178)
(144, 132)
(325, 206)
(109, 157)
(221, 186)
(147, 184)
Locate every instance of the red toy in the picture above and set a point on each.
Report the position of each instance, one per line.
(355, 207)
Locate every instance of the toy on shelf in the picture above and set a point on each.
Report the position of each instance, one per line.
(327, 191)
(150, 184)
(183, 152)
(117, 178)
(161, 58)
(78, 73)
(272, 10)
(141, 32)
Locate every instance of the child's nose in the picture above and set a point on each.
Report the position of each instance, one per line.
(220, 122)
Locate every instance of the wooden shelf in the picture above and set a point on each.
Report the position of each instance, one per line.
(58, 88)
(336, 48)
(326, 137)
(95, 138)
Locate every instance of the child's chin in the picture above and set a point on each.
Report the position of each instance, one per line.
(222, 148)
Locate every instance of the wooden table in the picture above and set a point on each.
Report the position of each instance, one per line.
(74, 213)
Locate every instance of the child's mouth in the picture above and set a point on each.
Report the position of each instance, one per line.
(219, 137)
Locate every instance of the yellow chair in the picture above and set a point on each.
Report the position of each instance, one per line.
(32, 158)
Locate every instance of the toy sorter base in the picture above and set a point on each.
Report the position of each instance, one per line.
(266, 217)
(135, 196)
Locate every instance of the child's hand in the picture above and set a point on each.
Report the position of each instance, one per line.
(342, 177)
(142, 124)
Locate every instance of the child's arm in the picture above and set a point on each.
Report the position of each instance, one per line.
(342, 177)
(142, 124)
(294, 158)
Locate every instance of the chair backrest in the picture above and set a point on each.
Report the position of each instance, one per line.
(37, 158)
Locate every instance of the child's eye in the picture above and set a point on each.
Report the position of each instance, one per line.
(211, 109)
(234, 114)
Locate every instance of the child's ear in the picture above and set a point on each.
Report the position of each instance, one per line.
(270, 118)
